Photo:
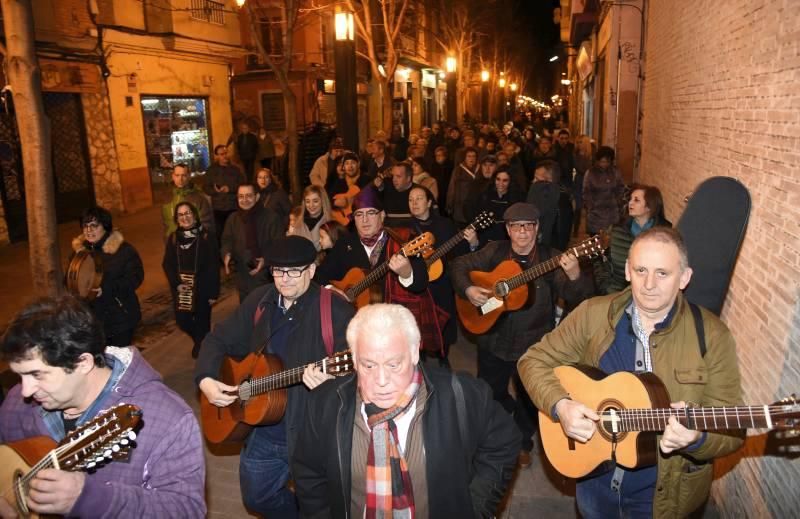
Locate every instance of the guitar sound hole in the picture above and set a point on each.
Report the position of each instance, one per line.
(609, 411)
(501, 289)
(20, 494)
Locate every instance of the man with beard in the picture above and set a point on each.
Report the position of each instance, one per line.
(246, 238)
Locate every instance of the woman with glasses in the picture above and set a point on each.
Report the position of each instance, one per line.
(115, 302)
(191, 264)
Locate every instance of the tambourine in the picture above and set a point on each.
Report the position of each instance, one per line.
(84, 275)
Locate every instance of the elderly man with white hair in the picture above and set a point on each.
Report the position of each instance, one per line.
(400, 440)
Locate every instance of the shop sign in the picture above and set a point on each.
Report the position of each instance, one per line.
(584, 63)
(61, 76)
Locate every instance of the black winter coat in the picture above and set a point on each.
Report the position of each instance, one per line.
(239, 335)
(117, 307)
(177, 259)
(467, 477)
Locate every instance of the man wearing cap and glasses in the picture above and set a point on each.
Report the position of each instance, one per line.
(285, 319)
(501, 347)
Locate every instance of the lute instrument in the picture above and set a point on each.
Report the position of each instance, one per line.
(509, 286)
(106, 438)
(355, 283)
(633, 409)
(261, 393)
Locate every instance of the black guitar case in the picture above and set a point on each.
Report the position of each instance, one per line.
(713, 226)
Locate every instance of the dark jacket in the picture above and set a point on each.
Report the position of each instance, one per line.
(239, 335)
(195, 197)
(545, 196)
(515, 331)
(201, 257)
(467, 477)
(165, 473)
(247, 147)
(117, 307)
(234, 242)
(276, 199)
(348, 253)
(602, 195)
(497, 205)
(219, 176)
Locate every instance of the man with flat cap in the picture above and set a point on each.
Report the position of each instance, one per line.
(501, 347)
(286, 320)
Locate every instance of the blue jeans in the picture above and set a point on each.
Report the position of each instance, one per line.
(596, 500)
(263, 474)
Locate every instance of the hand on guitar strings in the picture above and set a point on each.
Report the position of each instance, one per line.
(676, 436)
(219, 394)
(477, 295)
(577, 420)
(471, 236)
(400, 265)
(55, 491)
(570, 265)
(313, 376)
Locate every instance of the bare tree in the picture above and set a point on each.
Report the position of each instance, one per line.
(24, 78)
(458, 37)
(390, 20)
(280, 65)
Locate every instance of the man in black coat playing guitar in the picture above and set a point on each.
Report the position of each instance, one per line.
(285, 319)
(501, 347)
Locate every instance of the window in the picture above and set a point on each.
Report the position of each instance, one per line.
(271, 31)
(272, 112)
(210, 11)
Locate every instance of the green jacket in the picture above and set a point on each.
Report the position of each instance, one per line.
(587, 333)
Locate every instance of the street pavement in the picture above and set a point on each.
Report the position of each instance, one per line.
(536, 490)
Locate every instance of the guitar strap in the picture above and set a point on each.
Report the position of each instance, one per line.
(326, 317)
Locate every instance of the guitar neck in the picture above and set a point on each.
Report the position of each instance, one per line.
(696, 418)
(280, 380)
(374, 275)
(445, 248)
(528, 275)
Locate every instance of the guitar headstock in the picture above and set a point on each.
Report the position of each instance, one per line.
(339, 364)
(107, 436)
(483, 220)
(418, 245)
(590, 247)
(785, 413)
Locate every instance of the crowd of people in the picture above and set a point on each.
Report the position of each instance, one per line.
(405, 436)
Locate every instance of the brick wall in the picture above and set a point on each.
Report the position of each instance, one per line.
(722, 97)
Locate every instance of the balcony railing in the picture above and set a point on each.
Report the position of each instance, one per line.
(208, 11)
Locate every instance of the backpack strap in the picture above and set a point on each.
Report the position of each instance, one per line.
(698, 324)
(326, 319)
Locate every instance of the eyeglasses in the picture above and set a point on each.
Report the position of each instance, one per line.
(365, 214)
(91, 226)
(518, 226)
(292, 273)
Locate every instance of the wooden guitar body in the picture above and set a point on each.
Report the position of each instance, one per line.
(435, 270)
(16, 459)
(471, 316)
(234, 422)
(592, 387)
(342, 214)
(353, 277)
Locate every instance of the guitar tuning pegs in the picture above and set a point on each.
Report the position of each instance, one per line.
(91, 465)
(115, 448)
(107, 453)
(124, 441)
(131, 435)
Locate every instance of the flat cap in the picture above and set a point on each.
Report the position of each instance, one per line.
(489, 158)
(292, 251)
(521, 212)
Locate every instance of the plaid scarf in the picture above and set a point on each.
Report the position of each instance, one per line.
(389, 491)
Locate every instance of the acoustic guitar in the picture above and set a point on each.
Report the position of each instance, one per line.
(342, 214)
(434, 261)
(356, 281)
(106, 438)
(261, 394)
(509, 286)
(633, 408)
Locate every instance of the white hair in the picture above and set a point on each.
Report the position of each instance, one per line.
(382, 319)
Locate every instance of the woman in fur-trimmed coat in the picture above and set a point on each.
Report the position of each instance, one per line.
(116, 304)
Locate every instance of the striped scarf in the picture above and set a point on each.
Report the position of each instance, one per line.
(389, 491)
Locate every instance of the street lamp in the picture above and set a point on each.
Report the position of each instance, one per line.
(554, 58)
(501, 98)
(450, 65)
(240, 3)
(485, 96)
(513, 87)
(345, 63)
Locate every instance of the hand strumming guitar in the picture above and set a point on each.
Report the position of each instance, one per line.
(55, 491)
(577, 420)
(478, 295)
(217, 392)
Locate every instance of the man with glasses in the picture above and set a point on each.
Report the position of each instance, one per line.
(285, 319)
(247, 235)
(372, 245)
(501, 347)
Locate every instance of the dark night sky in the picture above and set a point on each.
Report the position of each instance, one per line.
(538, 40)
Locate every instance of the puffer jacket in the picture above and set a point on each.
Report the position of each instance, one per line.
(588, 332)
(117, 307)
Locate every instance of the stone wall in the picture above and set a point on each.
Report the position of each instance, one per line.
(721, 97)
(102, 151)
